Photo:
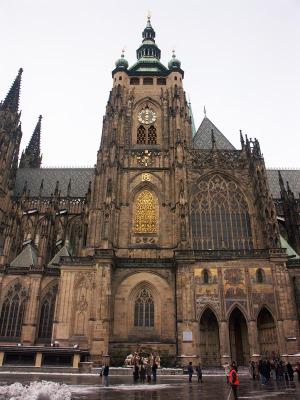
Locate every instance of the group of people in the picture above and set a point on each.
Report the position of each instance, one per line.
(139, 357)
(190, 371)
(231, 376)
(275, 369)
(146, 369)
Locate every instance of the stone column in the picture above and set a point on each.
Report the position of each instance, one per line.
(225, 352)
(63, 314)
(30, 320)
(253, 340)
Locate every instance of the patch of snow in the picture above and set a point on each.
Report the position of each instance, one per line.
(43, 390)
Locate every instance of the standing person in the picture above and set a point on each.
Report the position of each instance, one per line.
(105, 375)
(154, 370)
(190, 371)
(252, 369)
(199, 373)
(234, 381)
(148, 371)
(135, 372)
(142, 373)
(290, 371)
(227, 370)
(297, 369)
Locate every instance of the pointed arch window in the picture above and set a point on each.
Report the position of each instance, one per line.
(146, 213)
(144, 309)
(220, 218)
(47, 314)
(141, 135)
(260, 276)
(12, 311)
(205, 276)
(152, 138)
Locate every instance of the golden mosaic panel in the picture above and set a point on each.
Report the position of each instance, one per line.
(146, 211)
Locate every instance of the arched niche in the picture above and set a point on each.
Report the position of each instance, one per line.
(238, 334)
(267, 334)
(209, 339)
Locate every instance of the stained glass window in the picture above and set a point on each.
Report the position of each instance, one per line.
(144, 309)
(152, 139)
(141, 135)
(12, 312)
(219, 216)
(47, 314)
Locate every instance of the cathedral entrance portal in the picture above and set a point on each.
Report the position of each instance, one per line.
(209, 339)
(267, 334)
(238, 333)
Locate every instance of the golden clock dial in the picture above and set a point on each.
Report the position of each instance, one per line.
(146, 116)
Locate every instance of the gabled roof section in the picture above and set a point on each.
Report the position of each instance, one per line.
(63, 252)
(202, 139)
(290, 251)
(26, 258)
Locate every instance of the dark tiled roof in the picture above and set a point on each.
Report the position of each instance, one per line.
(80, 178)
(290, 175)
(202, 139)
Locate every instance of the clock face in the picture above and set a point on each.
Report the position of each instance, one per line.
(147, 116)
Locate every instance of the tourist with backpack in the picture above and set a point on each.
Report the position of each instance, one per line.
(234, 380)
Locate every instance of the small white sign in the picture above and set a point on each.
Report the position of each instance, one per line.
(187, 336)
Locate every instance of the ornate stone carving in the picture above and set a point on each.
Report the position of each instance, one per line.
(225, 159)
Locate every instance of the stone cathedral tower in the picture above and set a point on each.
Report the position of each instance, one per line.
(171, 242)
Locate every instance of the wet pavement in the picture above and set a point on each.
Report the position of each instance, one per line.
(167, 388)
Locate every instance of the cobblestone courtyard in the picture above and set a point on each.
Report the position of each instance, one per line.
(170, 388)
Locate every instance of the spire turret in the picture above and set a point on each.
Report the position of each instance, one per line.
(122, 63)
(148, 48)
(11, 101)
(31, 157)
(174, 63)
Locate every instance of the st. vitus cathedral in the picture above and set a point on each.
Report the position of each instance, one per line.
(176, 241)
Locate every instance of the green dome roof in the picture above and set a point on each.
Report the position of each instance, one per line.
(174, 63)
(122, 62)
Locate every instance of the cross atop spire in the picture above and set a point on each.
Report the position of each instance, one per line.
(11, 101)
(31, 157)
(149, 18)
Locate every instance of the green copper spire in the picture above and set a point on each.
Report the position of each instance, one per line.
(148, 48)
(148, 55)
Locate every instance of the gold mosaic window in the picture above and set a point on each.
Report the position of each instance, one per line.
(146, 211)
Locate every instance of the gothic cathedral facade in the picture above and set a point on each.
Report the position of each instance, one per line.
(172, 241)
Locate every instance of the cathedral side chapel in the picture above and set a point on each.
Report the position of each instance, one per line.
(176, 240)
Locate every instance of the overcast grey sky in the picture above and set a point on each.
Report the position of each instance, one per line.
(241, 60)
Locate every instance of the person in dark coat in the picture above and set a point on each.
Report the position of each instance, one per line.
(199, 373)
(142, 373)
(135, 372)
(105, 375)
(297, 369)
(154, 370)
(290, 371)
(190, 371)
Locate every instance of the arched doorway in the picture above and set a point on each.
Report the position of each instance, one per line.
(238, 333)
(209, 339)
(267, 334)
